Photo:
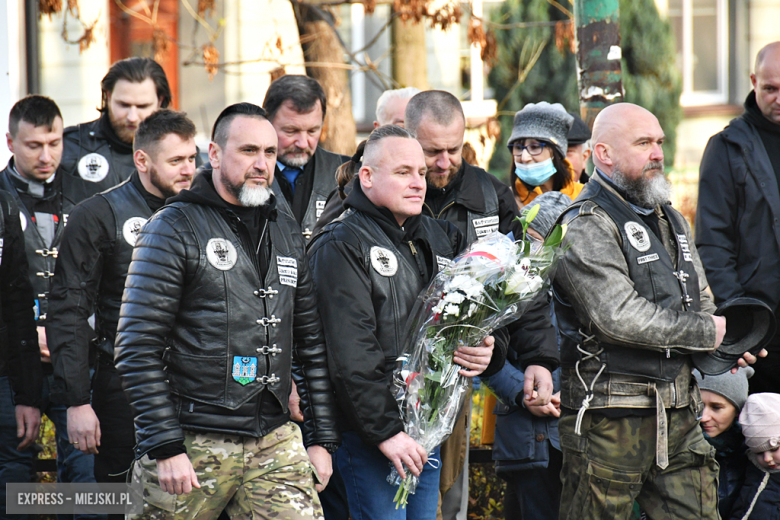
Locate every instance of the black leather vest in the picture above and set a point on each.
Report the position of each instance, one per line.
(482, 224)
(130, 214)
(395, 292)
(41, 257)
(655, 279)
(234, 329)
(325, 167)
(91, 163)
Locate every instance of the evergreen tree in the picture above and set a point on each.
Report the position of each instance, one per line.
(650, 77)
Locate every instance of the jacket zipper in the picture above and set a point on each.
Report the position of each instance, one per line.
(445, 208)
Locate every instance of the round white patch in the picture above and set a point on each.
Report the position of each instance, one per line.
(637, 236)
(93, 167)
(384, 261)
(23, 220)
(131, 228)
(221, 253)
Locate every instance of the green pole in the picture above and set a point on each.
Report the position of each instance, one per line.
(598, 56)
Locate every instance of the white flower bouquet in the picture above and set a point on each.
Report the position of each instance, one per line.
(492, 283)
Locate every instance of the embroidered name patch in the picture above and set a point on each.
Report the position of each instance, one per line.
(648, 258)
(221, 253)
(443, 262)
(320, 206)
(685, 248)
(637, 236)
(93, 167)
(131, 228)
(1, 251)
(244, 369)
(383, 261)
(288, 270)
(485, 226)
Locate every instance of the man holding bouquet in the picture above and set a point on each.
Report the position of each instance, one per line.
(632, 307)
(369, 266)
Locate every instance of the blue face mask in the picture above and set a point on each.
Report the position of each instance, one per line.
(535, 174)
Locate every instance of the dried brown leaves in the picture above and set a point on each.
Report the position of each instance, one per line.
(49, 7)
(369, 6)
(206, 7)
(211, 59)
(564, 36)
(477, 35)
(415, 10)
(160, 44)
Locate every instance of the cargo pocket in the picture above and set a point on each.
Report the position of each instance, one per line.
(611, 492)
(145, 475)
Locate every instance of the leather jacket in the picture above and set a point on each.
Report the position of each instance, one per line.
(367, 288)
(202, 333)
(599, 303)
(19, 356)
(92, 160)
(41, 257)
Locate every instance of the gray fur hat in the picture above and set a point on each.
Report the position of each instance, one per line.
(544, 122)
(733, 387)
(551, 205)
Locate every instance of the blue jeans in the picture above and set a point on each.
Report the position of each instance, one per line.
(16, 466)
(364, 470)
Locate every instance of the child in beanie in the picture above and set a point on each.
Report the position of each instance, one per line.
(724, 396)
(760, 496)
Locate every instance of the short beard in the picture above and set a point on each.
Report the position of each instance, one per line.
(248, 196)
(154, 178)
(122, 132)
(643, 191)
(253, 196)
(442, 182)
(296, 162)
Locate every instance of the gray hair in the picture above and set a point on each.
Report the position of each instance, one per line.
(441, 106)
(389, 95)
(372, 143)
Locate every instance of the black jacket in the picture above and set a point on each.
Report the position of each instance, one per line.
(312, 188)
(19, 356)
(94, 159)
(205, 337)
(767, 506)
(91, 270)
(737, 231)
(364, 343)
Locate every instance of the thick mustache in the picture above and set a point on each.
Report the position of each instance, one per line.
(654, 165)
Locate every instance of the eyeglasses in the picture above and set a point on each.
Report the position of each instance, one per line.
(533, 149)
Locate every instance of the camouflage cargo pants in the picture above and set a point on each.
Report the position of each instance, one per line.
(269, 477)
(613, 463)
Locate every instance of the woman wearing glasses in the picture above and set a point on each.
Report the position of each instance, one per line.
(538, 145)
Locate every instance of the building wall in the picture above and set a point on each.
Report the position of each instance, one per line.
(70, 77)
(12, 64)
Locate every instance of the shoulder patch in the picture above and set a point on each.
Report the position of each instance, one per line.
(23, 221)
(221, 253)
(383, 261)
(131, 228)
(93, 167)
(638, 236)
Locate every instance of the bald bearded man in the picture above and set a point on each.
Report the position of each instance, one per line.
(629, 426)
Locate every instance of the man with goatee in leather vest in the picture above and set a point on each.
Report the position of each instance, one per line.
(218, 316)
(632, 307)
(382, 252)
(91, 270)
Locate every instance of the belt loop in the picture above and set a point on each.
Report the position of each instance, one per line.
(661, 433)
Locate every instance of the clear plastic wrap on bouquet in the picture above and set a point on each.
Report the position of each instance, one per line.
(493, 282)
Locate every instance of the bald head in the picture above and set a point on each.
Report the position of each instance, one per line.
(766, 81)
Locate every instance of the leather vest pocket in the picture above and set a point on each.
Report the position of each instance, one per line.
(200, 377)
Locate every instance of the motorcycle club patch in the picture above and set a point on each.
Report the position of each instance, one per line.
(23, 220)
(221, 253)
(320, 207)
(288, 270)
(1, 251)
(131, 228)
(383, 261)
(685, 248)
(647, 259)
(485, 226)
(93, 167)
(244, 369)
(637, 236)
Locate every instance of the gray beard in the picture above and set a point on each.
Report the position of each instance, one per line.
(295, 163)
(647, 193)
(254, 196)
